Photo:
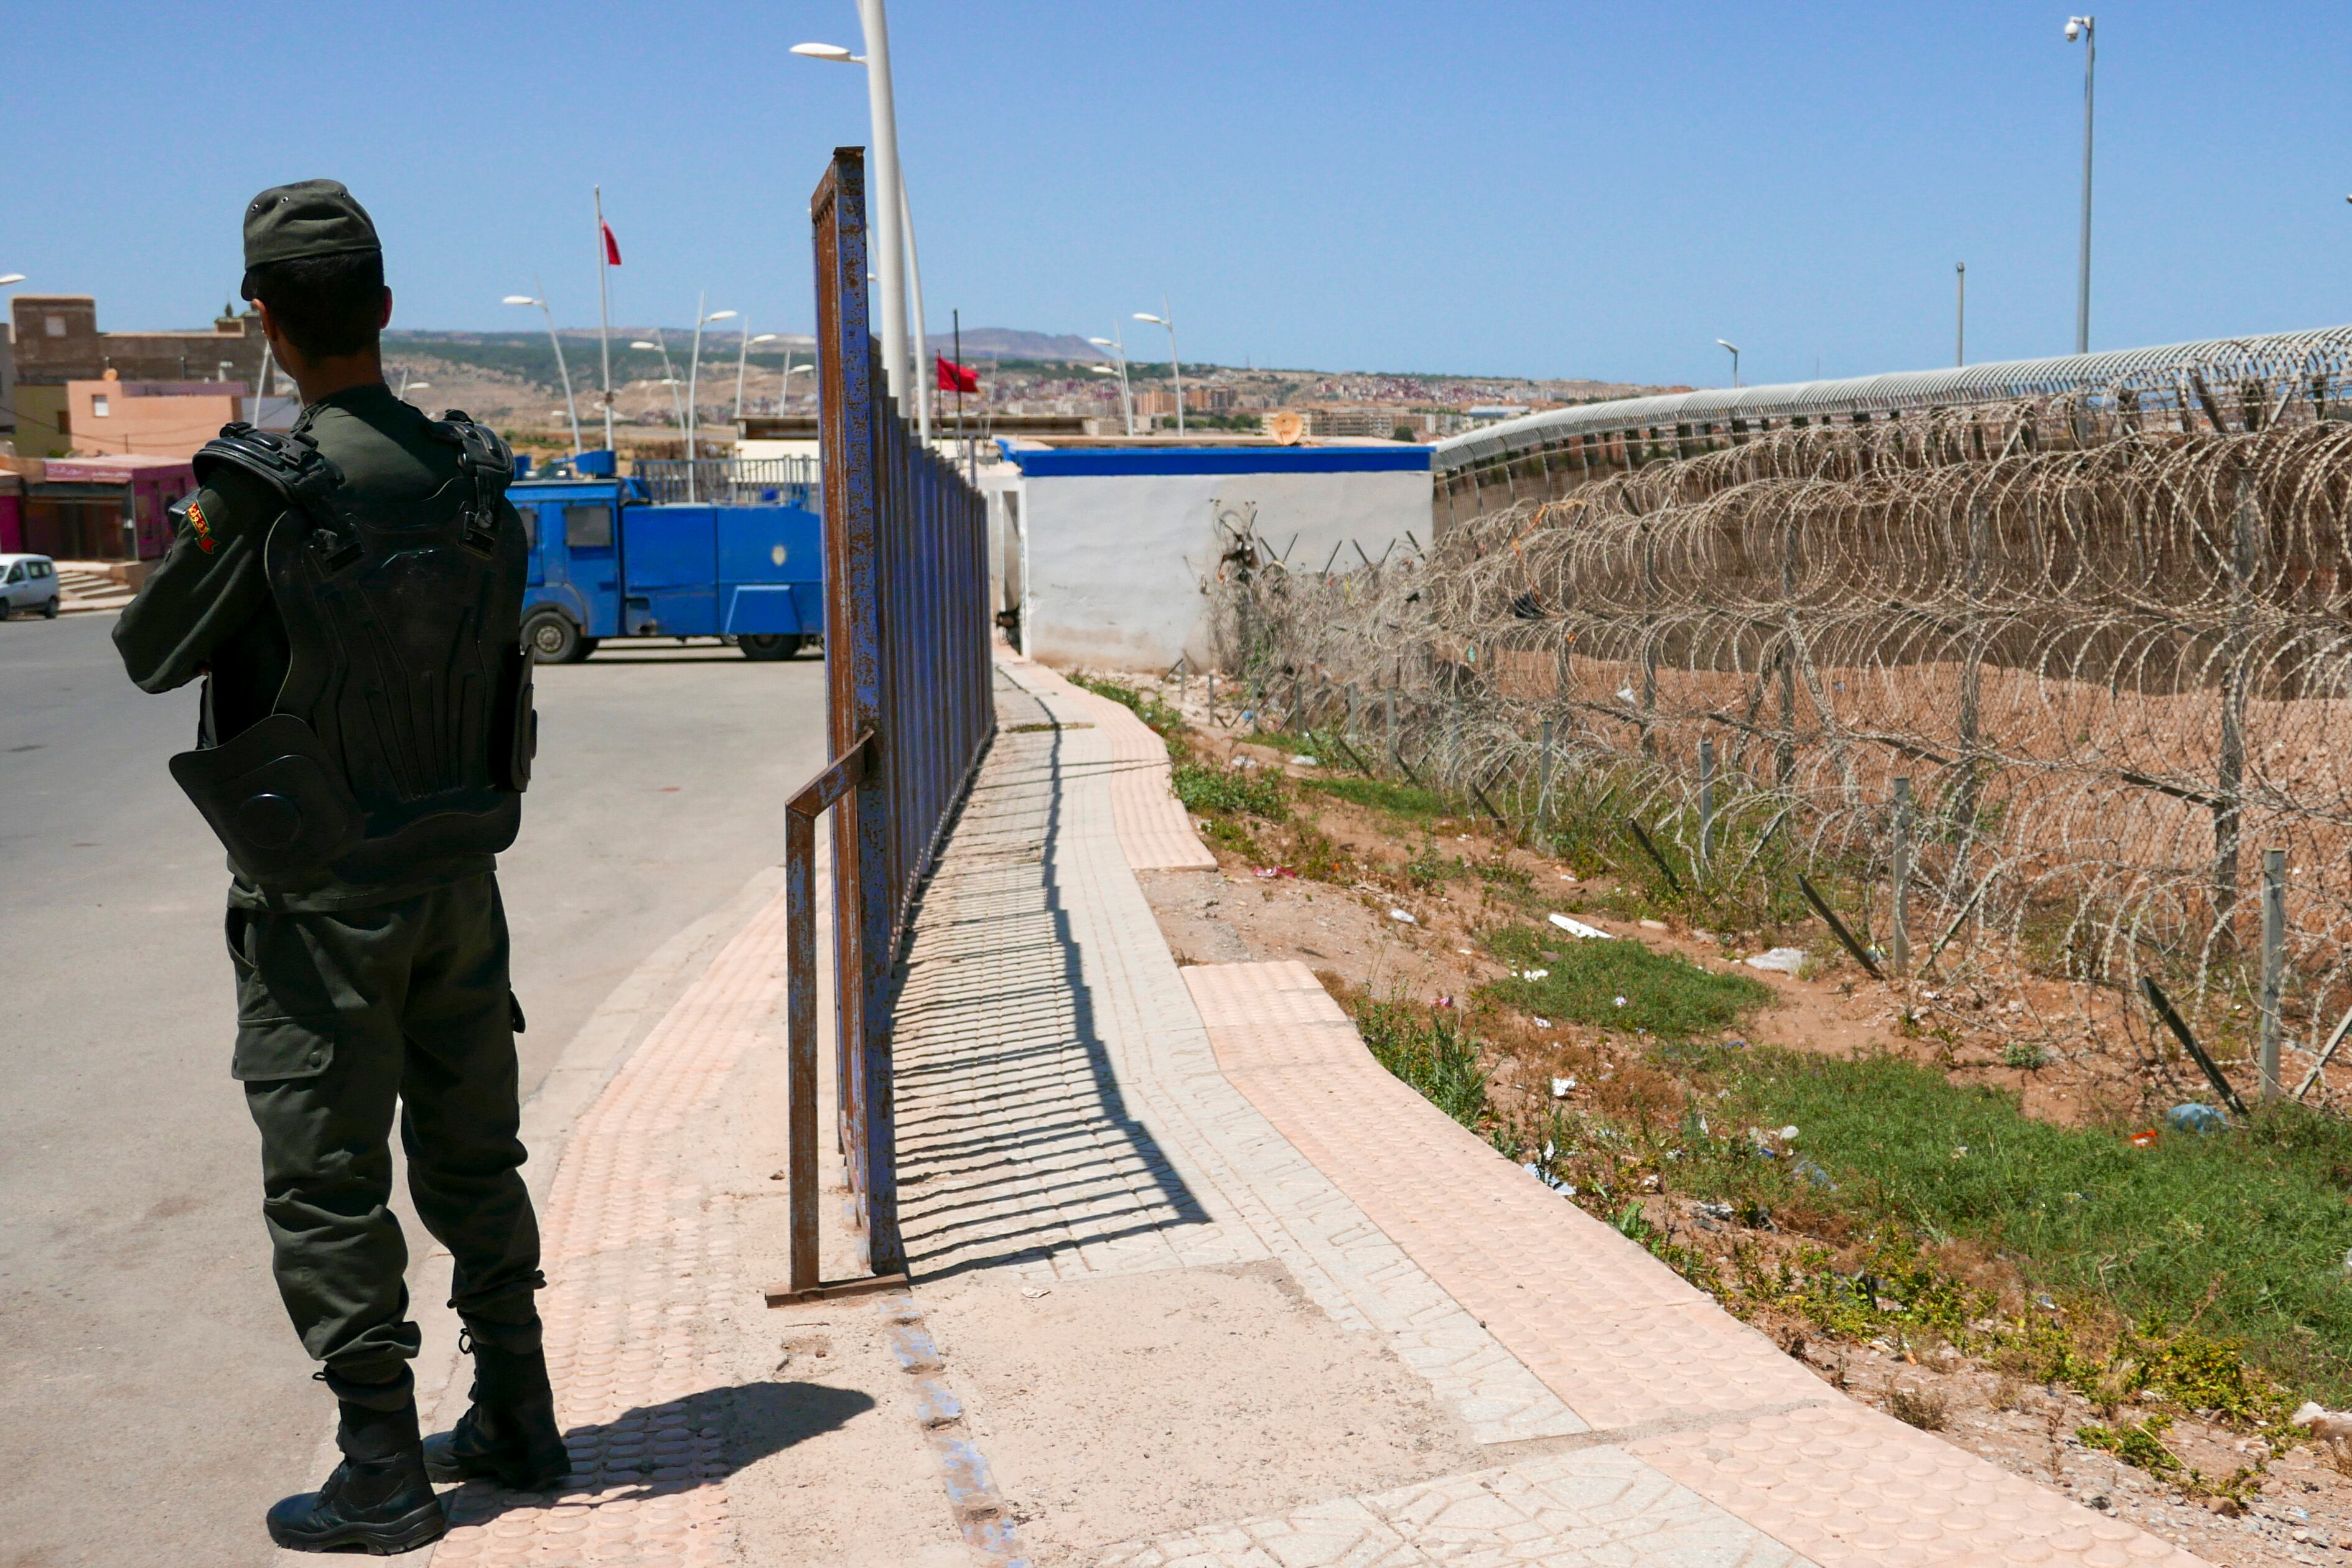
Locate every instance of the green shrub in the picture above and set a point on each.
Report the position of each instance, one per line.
(1232, 791)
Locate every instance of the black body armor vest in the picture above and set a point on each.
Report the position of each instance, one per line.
(404, 729)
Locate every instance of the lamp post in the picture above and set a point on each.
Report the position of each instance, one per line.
(561, 369)
(406, 385)
(1167, 318)
(669, 376)
(1118, 352)
(743, 353)
(1960, 331)
(894, 223)
(2084, 28)
(1735, 361)
(693, 374)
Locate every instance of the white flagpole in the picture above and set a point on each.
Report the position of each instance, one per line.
(604, 315)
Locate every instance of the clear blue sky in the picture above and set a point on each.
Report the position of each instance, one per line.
(1590, 189)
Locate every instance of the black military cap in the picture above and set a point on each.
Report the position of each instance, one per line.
(310, 217)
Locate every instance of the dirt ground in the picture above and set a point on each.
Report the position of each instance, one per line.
(1358, 937)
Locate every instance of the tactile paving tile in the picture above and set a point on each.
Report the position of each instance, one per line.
(641, 1266)
(1615, 1332)
(1155, 831)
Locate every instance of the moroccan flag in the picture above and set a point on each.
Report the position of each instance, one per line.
(954, 377)
(612, 246)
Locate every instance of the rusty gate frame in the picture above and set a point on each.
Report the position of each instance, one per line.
(910, 713)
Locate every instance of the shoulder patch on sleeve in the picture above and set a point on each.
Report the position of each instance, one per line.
(202, 527)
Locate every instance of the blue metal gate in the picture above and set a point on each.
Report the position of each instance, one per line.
(909, 714)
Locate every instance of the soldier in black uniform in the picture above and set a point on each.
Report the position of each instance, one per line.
(350, 592)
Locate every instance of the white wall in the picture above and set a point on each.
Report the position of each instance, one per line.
(1120, 565)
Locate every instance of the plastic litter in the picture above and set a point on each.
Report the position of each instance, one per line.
(1560, 1086)
(1035, 1291)
(1400, 915)
(1654, 925)
(1548, 1179)
(1269, 872)
(1782, 960)
(1720, 1213)
(1533, 974)
(1543, 1023)
(1304, 760)
(1625, 695)
(1620, 1001)
(2145, 1138)
(1578, 928)
(1787, 1135)
(1815, 1174)
(2193, 1117)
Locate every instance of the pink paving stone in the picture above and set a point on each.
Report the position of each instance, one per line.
(1615, 1332)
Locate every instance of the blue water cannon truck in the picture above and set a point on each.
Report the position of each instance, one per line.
(614, 556)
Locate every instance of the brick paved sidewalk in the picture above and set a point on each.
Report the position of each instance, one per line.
(1196, 1282)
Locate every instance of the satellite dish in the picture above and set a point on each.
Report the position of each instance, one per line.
(1287, 427)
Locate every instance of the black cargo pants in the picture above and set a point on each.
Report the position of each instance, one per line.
(338, 1014)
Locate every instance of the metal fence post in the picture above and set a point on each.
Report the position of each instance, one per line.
(1899, 942)
(1388, 705)
(1706, 803)
(2274, 965)
(1543, 782)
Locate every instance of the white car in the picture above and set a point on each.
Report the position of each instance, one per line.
(29, 583)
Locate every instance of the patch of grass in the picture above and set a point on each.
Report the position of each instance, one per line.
(1206, 789)
(2236, 1236)
(1406, 803)
(1429, 1049)
(1163, 719)
(1666, 994)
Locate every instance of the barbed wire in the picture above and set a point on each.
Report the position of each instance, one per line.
(2112, 676)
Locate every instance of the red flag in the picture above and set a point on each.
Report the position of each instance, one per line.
(612, 246)
(954, 377)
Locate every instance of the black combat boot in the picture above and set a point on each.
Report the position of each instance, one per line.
(379, 1499)
(510, 1433)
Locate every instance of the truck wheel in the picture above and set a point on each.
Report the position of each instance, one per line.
(553, 638)
(765, 646)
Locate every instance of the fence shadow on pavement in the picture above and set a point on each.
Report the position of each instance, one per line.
(1016, 1143)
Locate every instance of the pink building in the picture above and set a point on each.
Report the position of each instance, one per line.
(101, 509)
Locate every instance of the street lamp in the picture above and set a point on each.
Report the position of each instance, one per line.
(407, 386)
(561, 368)
(743, 353)
(1167, 318)
(2084, 28)
(899, 357)
(1960, 329)
(1735, 361)
(1119, 351)
(693, 374)
(669, 376)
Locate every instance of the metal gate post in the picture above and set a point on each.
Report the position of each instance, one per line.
(848, 393)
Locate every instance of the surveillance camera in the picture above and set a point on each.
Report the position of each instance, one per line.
(2074, 28)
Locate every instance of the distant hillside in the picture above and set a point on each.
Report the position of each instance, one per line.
(1011, 342)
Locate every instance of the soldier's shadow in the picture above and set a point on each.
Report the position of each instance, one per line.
(672, 1448)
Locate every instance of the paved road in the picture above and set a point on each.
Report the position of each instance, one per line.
(151, 1391)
